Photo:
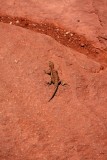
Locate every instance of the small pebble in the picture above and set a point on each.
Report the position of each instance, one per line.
(10, 23)
(57, 29)
(71, 34)
(82, 44)
(17, 21)
(67, 32)
(16, 61)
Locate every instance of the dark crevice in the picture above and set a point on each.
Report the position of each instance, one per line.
(63, 36)
(97, 13)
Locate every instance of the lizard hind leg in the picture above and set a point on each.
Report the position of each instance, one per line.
(49, 83)
(59, 82)
(63, 83)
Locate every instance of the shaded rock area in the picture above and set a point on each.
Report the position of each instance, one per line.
(72, 126)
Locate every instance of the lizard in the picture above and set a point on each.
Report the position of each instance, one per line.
(54, 78)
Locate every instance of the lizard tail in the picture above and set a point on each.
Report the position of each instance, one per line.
(54, 92)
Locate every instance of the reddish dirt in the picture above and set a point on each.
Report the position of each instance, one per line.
(73, 125)
(67, 38)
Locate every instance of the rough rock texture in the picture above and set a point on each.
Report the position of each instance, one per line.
(88, 17)
(73, 125)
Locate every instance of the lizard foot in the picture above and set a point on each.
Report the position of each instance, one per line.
(48, 83)
(63, 83)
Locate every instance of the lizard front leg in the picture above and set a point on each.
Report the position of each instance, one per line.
(63, 83)
(49, 83)
(48, 72)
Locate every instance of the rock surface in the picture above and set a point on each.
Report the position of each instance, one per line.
(86, 18)
(73, 125)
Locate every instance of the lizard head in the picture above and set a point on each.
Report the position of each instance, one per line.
(51, 64)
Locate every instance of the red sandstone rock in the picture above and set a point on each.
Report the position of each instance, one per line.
(86, 18)
(73, 125)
